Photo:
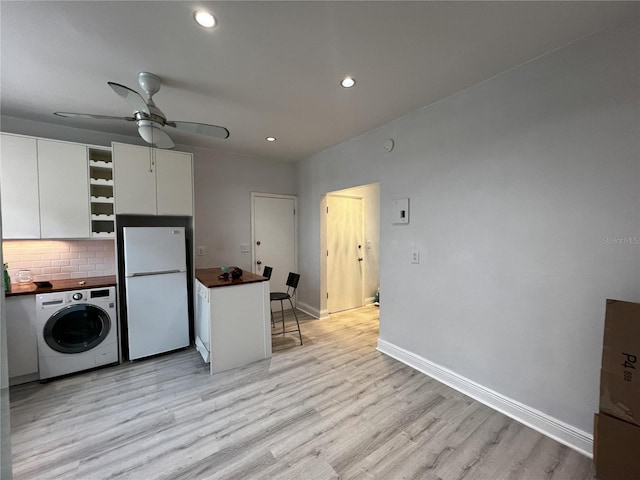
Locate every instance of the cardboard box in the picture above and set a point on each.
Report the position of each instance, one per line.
(620, 373)
(617, 444)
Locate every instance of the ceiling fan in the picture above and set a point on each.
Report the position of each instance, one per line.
(149, 118)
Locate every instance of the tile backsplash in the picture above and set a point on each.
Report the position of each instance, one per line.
(60, 259)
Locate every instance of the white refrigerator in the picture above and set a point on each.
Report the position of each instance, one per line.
(155, 267)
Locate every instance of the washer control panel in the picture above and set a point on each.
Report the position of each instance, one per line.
(102, 296)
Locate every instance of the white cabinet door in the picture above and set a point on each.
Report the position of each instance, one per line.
(174, 180)
(240, 325)
(22, 343)
(19, 187)
(203, 321)
(134, 179)
(63, 178)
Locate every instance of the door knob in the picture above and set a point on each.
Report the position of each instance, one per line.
(259, 262)
(360, 259)
(258, 242)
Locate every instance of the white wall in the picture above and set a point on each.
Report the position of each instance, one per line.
(515, 187)
(223, 186)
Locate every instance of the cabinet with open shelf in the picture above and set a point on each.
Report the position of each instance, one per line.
(101, 190)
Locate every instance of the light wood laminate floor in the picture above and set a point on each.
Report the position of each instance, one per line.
(332, 408)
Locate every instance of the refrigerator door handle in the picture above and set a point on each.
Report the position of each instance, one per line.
(144, 274)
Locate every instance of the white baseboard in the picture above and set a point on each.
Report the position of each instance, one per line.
(308, 309)
(552, 427)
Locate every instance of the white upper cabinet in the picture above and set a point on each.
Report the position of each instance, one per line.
(63, 179)
(174, 182)
(134, 180)
(150, 181)
(19, 187)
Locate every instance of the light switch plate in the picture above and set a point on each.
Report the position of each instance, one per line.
(244, 248)
(400, 211)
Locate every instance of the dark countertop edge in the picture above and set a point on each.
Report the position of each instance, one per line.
(209, 278)
(18, 289)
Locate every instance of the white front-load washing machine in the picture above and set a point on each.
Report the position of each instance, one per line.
(77, 330)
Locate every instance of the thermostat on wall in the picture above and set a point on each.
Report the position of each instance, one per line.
(400, 211)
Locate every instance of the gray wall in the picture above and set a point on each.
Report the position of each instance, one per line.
(223, 186)
(522, 192)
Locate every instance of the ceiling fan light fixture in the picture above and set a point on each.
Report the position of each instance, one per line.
(146, 132)
(154, 135)
(348, 82)
(204, 19)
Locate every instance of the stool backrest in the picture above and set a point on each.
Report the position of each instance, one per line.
(292, 282)
(266, 272)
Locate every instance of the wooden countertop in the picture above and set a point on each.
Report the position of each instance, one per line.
(209, 278)
(62, 285)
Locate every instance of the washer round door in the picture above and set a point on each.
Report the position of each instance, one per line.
(77, 328)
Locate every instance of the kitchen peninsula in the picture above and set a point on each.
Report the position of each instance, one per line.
(233, 319)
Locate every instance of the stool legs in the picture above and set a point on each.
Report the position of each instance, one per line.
(282, 317)
(296, 317)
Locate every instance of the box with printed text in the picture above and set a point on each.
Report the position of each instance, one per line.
(620, 372)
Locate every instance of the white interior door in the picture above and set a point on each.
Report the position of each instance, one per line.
(345, 253)
(274, 238)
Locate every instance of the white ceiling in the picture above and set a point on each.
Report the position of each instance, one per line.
(273, 68)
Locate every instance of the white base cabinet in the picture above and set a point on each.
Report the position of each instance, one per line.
(22, 340)
(233, 324)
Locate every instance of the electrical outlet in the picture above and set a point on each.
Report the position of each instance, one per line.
(415, 256)
(201, 251)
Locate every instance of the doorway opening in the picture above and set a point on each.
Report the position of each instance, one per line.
(350, 248)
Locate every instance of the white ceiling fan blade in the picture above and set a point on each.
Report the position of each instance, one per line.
(201, 129)
(133, 98)
(89, 115)
(155, 136)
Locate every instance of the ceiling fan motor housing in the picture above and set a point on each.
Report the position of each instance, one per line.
(149, 82)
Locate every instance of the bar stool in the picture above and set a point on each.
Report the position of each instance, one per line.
(292, 285)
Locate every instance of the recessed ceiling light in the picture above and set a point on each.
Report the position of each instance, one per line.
(271, 139)
(204, 19)
(348, 82)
